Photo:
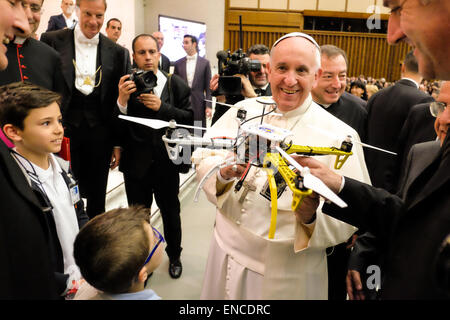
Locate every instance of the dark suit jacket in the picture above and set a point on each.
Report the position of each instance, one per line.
(387, 112)
(143, 145)
(418, 127)
(200, 86)
(115, 62)
(412, 229)
(35, 62)
(368, 249)
(351, 110)
(25, 269)
(165, 66)
(56, 23)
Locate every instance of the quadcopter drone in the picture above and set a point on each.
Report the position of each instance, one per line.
(256, 144)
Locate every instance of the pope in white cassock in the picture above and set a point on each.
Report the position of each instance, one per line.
(243, 263)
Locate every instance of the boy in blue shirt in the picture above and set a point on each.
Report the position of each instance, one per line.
(116, 252)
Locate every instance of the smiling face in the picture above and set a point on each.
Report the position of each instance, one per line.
(331, 84)
(42, 133)
(35, 19)
(92, 16)
(12, 17)
(293, 71)
(429, 37)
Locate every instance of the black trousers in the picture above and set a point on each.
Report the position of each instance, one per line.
(162, 180)
(90, 152)
(337, 260)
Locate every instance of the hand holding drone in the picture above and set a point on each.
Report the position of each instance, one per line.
(256, 144)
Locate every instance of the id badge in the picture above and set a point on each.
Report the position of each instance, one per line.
(75, 194)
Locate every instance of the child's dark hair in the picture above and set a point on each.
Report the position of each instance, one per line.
(112, 248)
(19, 98)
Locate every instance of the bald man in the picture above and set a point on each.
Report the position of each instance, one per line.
(164, 62)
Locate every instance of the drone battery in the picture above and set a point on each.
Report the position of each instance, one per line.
(281, 186)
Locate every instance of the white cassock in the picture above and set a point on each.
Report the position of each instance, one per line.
(243, 263)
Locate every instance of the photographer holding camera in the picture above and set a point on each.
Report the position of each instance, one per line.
(256, 84)
(153, 94)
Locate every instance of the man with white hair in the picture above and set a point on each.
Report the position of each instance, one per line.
(243, 263)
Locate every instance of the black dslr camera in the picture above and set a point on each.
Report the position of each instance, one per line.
(145, 81)
(230, 65)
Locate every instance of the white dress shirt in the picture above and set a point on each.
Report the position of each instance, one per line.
(191, 63)
(71, 21)
(66, 222)
(86, 61)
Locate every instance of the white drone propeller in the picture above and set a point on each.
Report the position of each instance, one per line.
(312, 182)
(158, 124)
(223, 104)
(330, 135)
(262, 100)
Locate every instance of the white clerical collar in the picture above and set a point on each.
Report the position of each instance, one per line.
(81, 38)
(264, 87)
(19, 40)
(299, 110)
(324, 105)
(413, 81)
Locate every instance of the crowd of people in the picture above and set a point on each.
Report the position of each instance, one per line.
(365, 88)
(73, 84)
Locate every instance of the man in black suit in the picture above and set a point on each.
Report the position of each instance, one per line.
(256, 84)
(145, 163)
(415, 230)
(25, 269)
(329, 91)
(113, 29)
(32, 60)
(92, 67)
(387, 112)
(67, 19)
(368, 250)
(164, 62)
(418, 127)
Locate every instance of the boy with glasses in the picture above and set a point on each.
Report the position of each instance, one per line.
(116, 253)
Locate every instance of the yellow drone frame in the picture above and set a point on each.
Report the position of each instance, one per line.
(275, 160)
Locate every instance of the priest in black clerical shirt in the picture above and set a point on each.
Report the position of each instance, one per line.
(329, 92)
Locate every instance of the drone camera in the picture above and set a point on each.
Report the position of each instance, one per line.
(242, 114)
(299, 183)
(346, 146)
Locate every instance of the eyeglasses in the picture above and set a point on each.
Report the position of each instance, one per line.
(160, 238)
(436, 108)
